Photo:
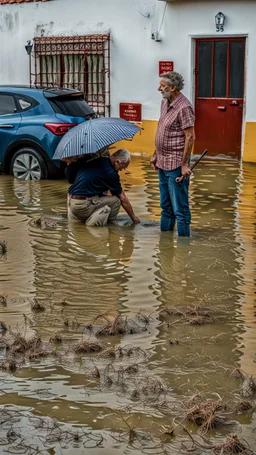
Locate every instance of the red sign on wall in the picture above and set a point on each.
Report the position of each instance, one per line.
(130, 111)
(165, 67)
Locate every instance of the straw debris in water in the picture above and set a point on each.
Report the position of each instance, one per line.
(132, 369)
(87, 347)
(3, 326)
(110, 352)
(118, 326)
(19, 350)
(95, 372)
(9, 365)
(192, 314)
(3, 248)
(247, 383)
(44, 222)
(56, 338)
(37, 306)
(3, 300)
(232, 447)
(205, 414)
(244, 407)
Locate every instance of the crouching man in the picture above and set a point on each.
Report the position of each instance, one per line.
(87, 199)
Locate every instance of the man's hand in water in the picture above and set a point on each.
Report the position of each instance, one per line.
(128, 207)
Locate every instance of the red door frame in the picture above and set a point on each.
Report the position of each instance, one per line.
(214, 39)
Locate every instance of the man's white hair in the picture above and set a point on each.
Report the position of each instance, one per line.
(123, 155)
(173, 78)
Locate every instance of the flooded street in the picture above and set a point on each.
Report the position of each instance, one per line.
(184, 310)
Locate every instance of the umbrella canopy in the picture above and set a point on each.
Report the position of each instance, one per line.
(93, 135)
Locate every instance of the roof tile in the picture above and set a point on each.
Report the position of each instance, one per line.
(2, 2)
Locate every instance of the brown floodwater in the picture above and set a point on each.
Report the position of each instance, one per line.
(146, 276)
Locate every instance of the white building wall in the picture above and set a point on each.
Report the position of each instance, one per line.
(187, 20)
(134, 55)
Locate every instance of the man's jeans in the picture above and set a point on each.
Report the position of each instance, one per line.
(174, 202)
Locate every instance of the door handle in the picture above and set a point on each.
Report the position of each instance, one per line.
(221, 108)
(236, 104)
(6, 126)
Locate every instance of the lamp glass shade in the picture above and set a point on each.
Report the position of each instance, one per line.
(29, 48)
(219, 22)
(220, 19)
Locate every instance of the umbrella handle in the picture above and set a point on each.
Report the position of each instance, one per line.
(179, 179)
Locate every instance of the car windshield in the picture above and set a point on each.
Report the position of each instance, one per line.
(73, 106)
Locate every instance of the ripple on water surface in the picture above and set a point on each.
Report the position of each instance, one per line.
(131, 276)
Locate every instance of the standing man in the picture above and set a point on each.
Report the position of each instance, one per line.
(175, 137)
(91, 180)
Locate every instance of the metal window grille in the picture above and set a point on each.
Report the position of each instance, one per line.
(79, 62)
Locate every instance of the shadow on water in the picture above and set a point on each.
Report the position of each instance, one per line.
(179, 315)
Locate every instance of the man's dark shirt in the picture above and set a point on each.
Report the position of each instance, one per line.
(93, 178)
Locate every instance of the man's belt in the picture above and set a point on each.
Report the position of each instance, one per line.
(77, 197)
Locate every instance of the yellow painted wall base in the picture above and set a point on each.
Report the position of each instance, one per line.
(249, 154)
(144, 141)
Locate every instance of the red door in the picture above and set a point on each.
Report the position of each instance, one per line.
(220, 67)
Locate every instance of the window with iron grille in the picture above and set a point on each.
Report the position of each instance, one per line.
(79, 62)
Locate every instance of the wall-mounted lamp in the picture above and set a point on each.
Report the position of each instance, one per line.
(29, 47)
(219, 22)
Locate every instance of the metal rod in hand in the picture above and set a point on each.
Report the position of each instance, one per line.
(179, 179)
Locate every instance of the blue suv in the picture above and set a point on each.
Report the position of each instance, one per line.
(32, 122)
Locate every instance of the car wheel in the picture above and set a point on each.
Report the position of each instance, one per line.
(28, 164)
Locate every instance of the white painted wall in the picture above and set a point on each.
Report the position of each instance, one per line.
(134, 55)
(188, 19)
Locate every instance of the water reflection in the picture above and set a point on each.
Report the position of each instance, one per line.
(28, 194)
(173, 256)
(105, 242)
(245, 231)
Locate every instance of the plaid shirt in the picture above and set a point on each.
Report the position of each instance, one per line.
(170, 137)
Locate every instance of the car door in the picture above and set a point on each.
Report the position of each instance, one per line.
(9, 121)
